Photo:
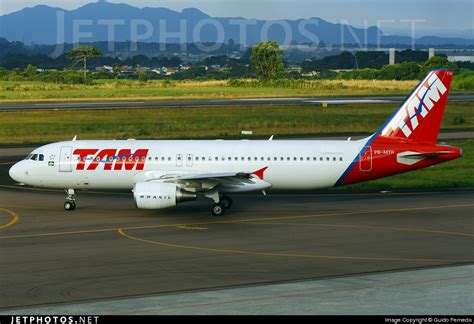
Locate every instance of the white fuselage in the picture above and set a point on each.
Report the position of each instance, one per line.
(291, 164)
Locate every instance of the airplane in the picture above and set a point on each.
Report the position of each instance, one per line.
(162, 174)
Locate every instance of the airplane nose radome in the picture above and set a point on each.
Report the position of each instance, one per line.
(14, 172)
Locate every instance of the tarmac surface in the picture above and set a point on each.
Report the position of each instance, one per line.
(156, 104)
(427, 291)
(107, 248)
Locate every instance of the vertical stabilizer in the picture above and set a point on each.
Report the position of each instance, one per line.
(419, 117)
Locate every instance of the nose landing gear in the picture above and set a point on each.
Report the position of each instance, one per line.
(70, 203)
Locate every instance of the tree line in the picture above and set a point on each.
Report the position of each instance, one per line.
(265, 61)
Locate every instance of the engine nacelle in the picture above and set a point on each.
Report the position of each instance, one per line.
(150, 195)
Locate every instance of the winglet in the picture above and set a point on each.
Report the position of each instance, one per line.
(259, 173)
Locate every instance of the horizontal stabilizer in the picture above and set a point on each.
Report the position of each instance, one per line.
(410, 158)
(413, 155)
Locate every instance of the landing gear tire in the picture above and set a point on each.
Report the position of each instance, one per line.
(226, 202)
(69, 205)
(218, 209)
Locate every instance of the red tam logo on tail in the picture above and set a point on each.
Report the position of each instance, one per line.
(419, 118)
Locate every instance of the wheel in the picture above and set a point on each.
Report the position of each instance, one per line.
(218, 210)
(69, 205)
(226, 202)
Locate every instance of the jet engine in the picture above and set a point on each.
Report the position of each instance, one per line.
(150, 195)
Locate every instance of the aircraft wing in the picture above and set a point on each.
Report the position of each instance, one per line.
(200, 176)
(227, 181)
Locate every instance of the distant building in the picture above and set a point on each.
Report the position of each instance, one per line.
(461, 59)
(105, 68)
(294, 68)
(142, 69)
(125, 69)
(391, 56)
(45, 70)
(169, 70)
(184, 67)
(311, 74)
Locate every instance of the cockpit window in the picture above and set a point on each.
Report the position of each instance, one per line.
(35, 157)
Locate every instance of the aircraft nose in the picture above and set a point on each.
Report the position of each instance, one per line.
(16, 171)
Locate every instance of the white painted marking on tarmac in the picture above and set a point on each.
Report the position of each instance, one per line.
(90, 103)
(270, 99)
(346, 101)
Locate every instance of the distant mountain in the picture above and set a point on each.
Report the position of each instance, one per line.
(40, 25)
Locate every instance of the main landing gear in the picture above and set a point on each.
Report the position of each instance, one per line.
(221, 203)
(70, 203)
(219, 209)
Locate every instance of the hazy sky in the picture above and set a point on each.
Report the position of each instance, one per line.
(436, 17)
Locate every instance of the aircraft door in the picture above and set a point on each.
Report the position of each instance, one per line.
(65, 159)
(189, 160)
(365, 159)
(179, 160)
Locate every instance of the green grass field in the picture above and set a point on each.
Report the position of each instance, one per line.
(222, 122)
(134, 90)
